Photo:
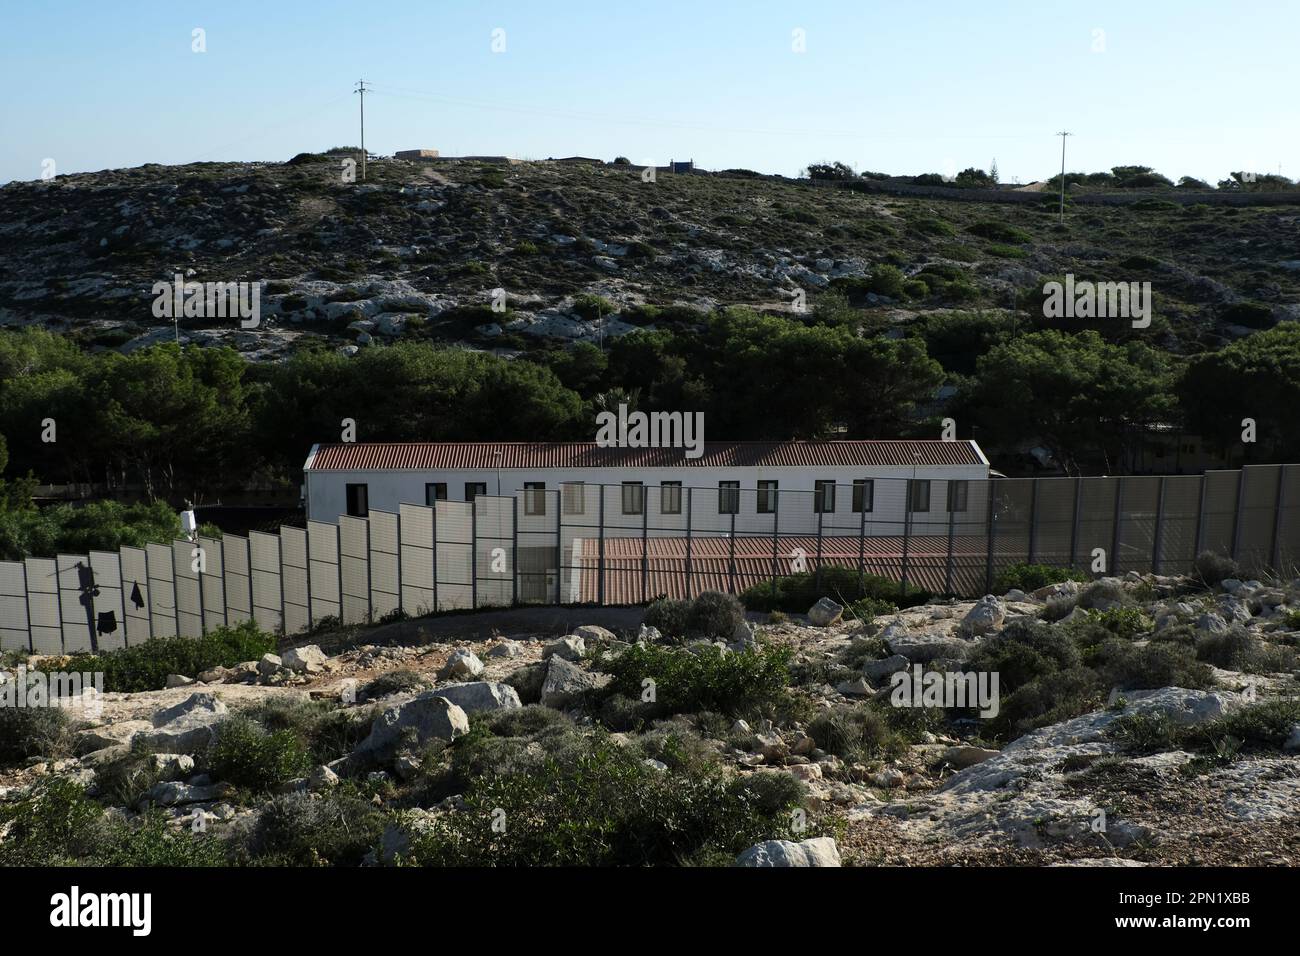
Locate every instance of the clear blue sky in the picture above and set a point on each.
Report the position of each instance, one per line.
(1187, 86)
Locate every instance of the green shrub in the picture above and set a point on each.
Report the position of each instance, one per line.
(1100, 595)
(146, 666)
(868, 607)
(1006, 252)
(856, 733)
(863, 649)
(703, 678)
(588, 306)
(326, 731)
(886, 280)
(301, 829)
(247, 755)
(1022, 652)
(999, 232)
(1123, 622)
(1047, 699)
(1214, 568)
(58, 825)
(393, 682)
(1266, 725)
(799, 592)
(1237, 649)
(604, 807)
(714, 615)
(126, 780)
(1146, 731)
(27, 732)
(1031, 577)
(933, 226)
(1150, 667)
(669, 616)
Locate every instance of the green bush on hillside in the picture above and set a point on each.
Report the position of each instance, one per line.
(145, 666)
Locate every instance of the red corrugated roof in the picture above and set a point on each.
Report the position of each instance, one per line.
(359, 456)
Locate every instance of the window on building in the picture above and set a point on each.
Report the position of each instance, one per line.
(670, 497)
(728, 497)
(633, 498)
(920, 494)
(958, 492)
(434, 491)
(475, 488)
(767, 497)
(358, 501)
(864, 496)
(575, 498)
(534, 497)
(824, 497)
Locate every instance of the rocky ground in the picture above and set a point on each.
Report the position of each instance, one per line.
(419, 252)
(1142, 774)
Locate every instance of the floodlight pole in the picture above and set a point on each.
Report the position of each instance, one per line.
(361, 88)
(1063, 134)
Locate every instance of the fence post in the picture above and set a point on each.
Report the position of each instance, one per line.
(645, 545)
(862, 538)
(1116, 526)
(1033, 522)
(821, 517)
(947, 577)
(370, 575)
(1279, 501)
(1074, 525)
(1236, 518)
(600, 560)
(473, 552)
(731, 558)
(689, 495)
(1156, 545)
(27, 602)
(514, 549)
(559, 545)
(907, 533)
(990, 536)
(1200, 519)
(338, 555)
(776, 531)
(203, 607)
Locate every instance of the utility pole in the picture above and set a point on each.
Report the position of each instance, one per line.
(361, 88)
(1063, 134)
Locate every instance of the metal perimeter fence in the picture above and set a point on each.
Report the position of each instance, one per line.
(630, 543)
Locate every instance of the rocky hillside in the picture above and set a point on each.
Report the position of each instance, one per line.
(1142, 721)
(418, 250)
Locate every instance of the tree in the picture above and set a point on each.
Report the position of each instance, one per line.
(1255, 377)
(1074, 394)
(835, 170)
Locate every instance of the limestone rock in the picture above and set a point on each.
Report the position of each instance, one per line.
(305, 660)
(570, 648)
(187, 728)
(462, 664)
(480, 696)
(424, 717)
(820, 851)
(566, 682)
(825, 612)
